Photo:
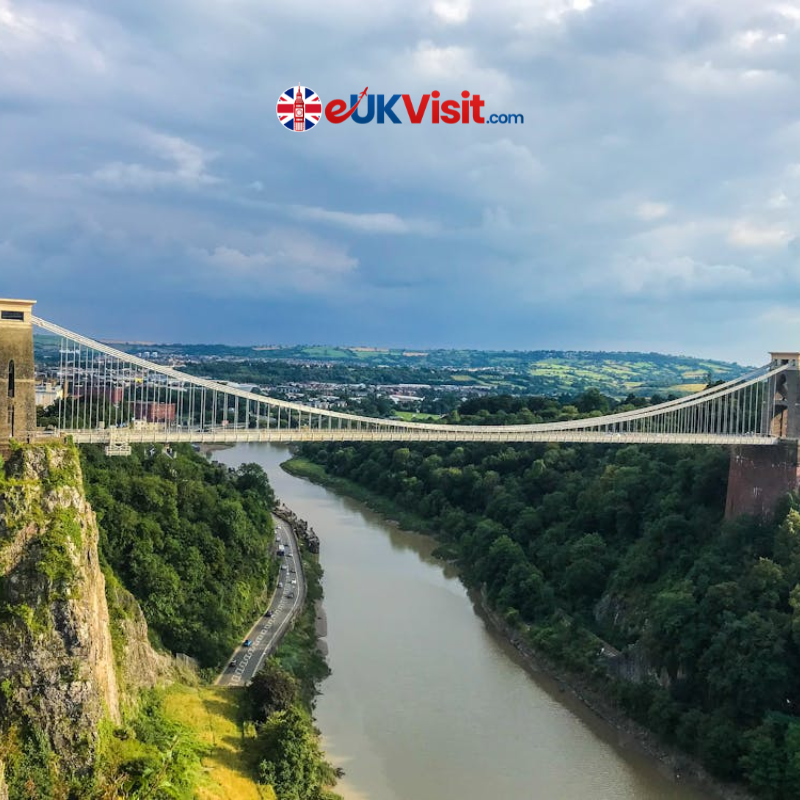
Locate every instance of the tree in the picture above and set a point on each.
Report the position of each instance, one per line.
(764, 760)
(252, 478)
(745, 665)
(670, 636)
(272, 689)
(294, 765)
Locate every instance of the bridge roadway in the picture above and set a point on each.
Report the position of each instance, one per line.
(267, 632)
(440, 434)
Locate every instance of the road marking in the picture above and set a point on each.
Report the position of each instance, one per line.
(242, 665)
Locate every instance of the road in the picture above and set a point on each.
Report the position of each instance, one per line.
(267, 632)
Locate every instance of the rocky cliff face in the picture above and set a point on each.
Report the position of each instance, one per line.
(58, 676)
(138, 665)
(631, 664)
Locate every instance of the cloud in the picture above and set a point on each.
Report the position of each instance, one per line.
(188, 167)
(365, 223)
(789, 11)
(778, 200)
(707, 78)
(754, 39)
(496, 219)
(650, 210)
(451, 12)
(280, 260)
(455, 65)
(530, 16)
(749, 234)
(501, 167)
(678, 276)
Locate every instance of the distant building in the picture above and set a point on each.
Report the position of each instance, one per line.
(112, 394)
(48, 393)
(154, 412)
(244, 387)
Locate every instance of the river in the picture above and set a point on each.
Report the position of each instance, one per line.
(425, 701)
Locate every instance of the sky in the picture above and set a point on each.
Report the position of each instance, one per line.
(649, 201)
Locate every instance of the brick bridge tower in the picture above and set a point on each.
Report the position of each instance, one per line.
(759, 476)
(17, 371)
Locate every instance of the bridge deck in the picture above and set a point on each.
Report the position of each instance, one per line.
(489, 434)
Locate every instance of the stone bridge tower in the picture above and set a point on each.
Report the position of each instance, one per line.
(17, 371)
(759, 476)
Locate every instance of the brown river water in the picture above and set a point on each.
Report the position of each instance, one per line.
(425, 701)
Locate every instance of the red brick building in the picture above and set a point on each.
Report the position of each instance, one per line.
(154, 412)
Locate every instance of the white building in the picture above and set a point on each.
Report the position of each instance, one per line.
(48, 393)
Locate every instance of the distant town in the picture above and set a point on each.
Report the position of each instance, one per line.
(413, 385)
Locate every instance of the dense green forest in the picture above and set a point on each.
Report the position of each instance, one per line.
(189, 539)
(584, 546)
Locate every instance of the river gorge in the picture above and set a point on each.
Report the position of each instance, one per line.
(425, 700)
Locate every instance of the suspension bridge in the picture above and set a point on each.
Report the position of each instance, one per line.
(115, 399)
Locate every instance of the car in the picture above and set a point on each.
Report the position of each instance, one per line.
(294, 583)
(268, 614)
(280, 584)
(233, 663)
(290, 595)
(248, 643)
(292, 569)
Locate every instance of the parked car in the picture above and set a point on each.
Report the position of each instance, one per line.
(248, 642)
(290, 595)
(233, 663)
(268, 614)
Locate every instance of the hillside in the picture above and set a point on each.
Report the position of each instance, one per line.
(549, 372)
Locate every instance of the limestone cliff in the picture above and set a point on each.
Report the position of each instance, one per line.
(58, 672)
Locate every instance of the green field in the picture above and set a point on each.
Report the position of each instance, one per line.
(410, 416)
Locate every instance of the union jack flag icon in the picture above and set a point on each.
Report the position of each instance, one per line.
(299, 109)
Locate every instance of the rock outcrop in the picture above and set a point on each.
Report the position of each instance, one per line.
(138, 665)
(58, 665)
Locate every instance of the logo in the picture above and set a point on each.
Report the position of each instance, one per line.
(467, 109)
(299, 109)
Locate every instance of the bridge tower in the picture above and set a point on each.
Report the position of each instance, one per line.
(760, 476)
(17, 371)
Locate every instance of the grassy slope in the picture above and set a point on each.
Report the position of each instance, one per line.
(213, 714)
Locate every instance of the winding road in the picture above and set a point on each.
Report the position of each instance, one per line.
(268, 631)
